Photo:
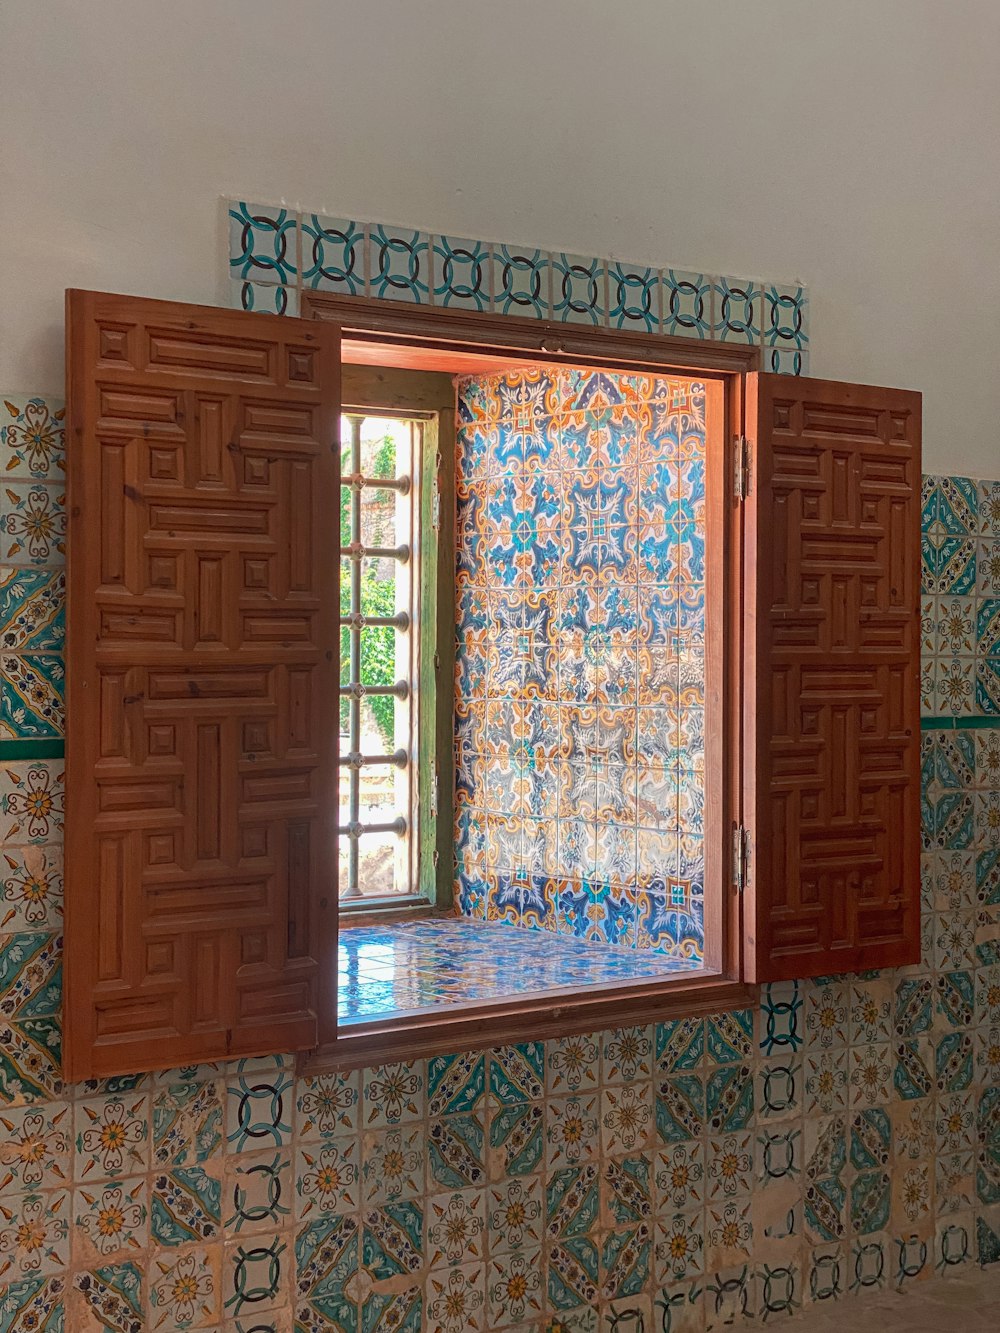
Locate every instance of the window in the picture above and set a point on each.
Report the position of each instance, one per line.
(204, 711)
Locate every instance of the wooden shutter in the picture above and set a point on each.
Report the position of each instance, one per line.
(832, 745)
(202, 681)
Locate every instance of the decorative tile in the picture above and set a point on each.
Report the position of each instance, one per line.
(112, 1137)
(627, 1122)
(113, 1296)
(259, 1106)
(114, 1216)
(333, 255)
(633, 296)
(257, 1189)
(33, 439)
(329, 1177)
(31, 889)
(516, 1140)
(31, 696)
(32, 610)
(786, 361)
(184, 1291)
(462, 273)
(399, 264)
(786, 317)
(456, 1299)
(328, 1104)
(781, 1021)
(521, 281)
(34, 1234)
(514, 1289)
(456, 1228)
(263, 243)
(263, 298)
(737, 310)
(571, 1131)
(571, 1064)
(578, 289)
(687, 304)
(256, 1277)
(32, 523)
(187, 1122)
(392, 1095)
(456, 1150)
(393, 1163)
(34, 1147)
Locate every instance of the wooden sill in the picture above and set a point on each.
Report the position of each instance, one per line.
(527, 1018)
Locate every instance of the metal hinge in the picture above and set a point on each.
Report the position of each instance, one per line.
(741, 857)
(741, 467)
(435, 793)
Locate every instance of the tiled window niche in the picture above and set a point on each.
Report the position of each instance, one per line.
(275, 253)
(840, 1139)
(580, 655)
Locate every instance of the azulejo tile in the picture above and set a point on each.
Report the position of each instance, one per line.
(393, 1164)
(33, 438)
(34, 1234)
(786, 316)
(633, 296)
(948, 550)
(578, 289)
(456, 1150)
(256, 1277)
(187, 1121)
(32, 523)
(35, 1147)
(462, 273)
(399, 263)
(516, 1073)
(516, 1140)
(627, 1121)
(32, 610)
(263, 243)
(263, 298)
(112, 1295)
(521, 281)
(514, 1212)
(571, 1064)
(687, 304)
(328, 1104)
(786, 360)
(737, 310)
(456, 1228)
(184, 1290)
(393, 1094)
(780, 1018)
(456, 1083)
(326, 1257)
(328, 1177)
(112, 1137)
(259, 1104)
(114, 1216)
(333, 254)
(31, 890)
(31, 696)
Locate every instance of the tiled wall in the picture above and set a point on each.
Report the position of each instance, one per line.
(274, 254)
(842, 1136)
(580, 655)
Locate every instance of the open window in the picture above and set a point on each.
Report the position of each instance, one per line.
(436, 679)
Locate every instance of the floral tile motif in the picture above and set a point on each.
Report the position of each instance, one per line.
(34, 1234)
(457, 1082)
(456, 1150)
(514, 1213)
(112, 1137)
(326, 1259)
(31, 801)
(328, 1177)
(399, 263)
(516, 1140)
(521, 281)
(32, 438)
(578, 289)
(32, 610)
(514, 1289)
(949, 522)
(263, 298)
(187, 1122)
(456, 1228)
(186, 1206)
(333, 254)
(263, 243)
(456, 1299)
(184, 1291)
(32, 523)
(113, 1296)
(31, 696)
(687, 304)
(34, 1147)
(328, 1104)
(571, 1064)
(31, 889)
(393, 1164)
(114, 1216)
(392, 1095)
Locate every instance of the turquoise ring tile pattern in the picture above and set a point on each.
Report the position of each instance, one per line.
(270, 245)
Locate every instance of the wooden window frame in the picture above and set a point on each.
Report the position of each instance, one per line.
(453, 332)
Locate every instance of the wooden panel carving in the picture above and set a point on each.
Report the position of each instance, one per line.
(202, 649)
(832, 791)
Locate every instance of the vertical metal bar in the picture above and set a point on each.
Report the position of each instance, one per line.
(353, 885)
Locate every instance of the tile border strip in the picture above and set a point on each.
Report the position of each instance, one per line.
(47, 749)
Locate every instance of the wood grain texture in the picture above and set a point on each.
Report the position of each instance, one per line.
(832, 780)
(203, 491)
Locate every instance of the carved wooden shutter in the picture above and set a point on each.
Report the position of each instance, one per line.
(832, 787)
(202, 681)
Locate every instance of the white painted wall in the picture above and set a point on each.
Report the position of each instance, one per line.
(854, 145)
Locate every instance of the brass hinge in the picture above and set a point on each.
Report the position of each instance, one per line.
(435, 792)
(741, 857)
(741, 467)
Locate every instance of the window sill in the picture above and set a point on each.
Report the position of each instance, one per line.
(528, 1018)
(385, 911)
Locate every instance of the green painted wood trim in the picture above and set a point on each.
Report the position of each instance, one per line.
(51, 749)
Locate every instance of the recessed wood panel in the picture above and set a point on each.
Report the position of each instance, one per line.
(832, 790)
(179, 943)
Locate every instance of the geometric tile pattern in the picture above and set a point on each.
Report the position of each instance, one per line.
(580, 651)
(272, 246)
(843, 1138)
